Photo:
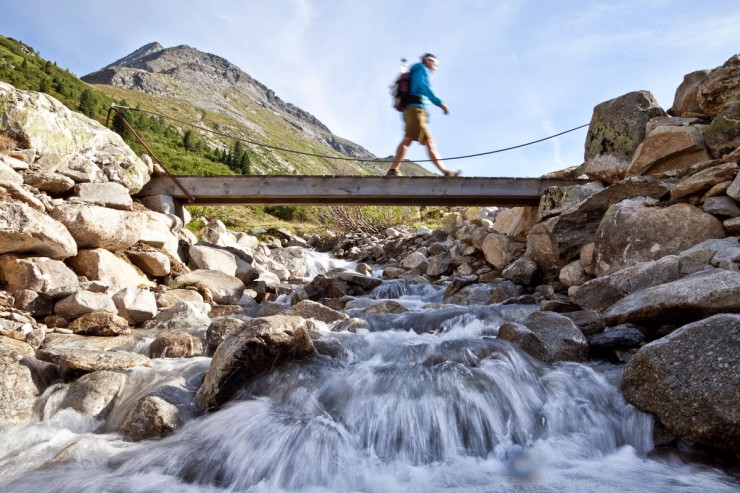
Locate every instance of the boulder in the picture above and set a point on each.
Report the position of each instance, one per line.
(516, 222)
(81, 302)
(205, 256)
(156, 264)
(72, 342)
(10, 192)
(170, 297)
(135, 305)
(547, 336)
(102, 265)
(111, 195)
(317, 311)
(618, 126)
(622, 337)
(557, 200)
(220, 329)
(88, 360)
(668, 148)
(26, 230)
(554, 243)
(720, 88)
(573, 274)
(39, 274)
(94, 394)
(685, 102)
(161, 231)
(48, 126)
(100, 227)
(704, 180)
(293, 260)
(151, 417)
(709, 253)
(723, 135)
(439, 265)
(522, 271)
(183, 315)
(17, 393)
(687, 299)
(722, 206)
(225, 289)
(101, 324)
(640, 230)
(262, 344)
(689, 380)
(164, 204)
(501, 250)
(175, 345)
(51, 183)
(415, 260)
(601, 293)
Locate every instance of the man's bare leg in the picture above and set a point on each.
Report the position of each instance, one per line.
(434, 156)
(401, 151)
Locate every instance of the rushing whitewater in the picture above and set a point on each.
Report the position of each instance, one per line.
(423, 401)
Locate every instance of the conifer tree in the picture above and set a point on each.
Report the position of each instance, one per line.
(88, 103)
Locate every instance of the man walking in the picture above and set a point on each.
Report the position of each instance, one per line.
(415, 115)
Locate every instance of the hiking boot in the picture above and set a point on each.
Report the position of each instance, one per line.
(450, 174)
(394, 172)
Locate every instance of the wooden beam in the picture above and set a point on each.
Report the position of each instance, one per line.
(355, 190)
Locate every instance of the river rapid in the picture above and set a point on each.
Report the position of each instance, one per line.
(423, 401)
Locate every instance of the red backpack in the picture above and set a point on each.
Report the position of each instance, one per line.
(400, 91)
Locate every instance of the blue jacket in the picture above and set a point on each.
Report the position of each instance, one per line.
(419, 86)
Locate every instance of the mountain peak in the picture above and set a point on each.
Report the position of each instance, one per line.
(136, 55)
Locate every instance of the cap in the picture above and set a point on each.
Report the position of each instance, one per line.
(431, 57)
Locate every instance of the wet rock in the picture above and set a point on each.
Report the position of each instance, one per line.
(687, 299)
(387, 306)
(28, 231)
(225, 289)
(175, 345)
(73, 342)
(94, 394)
(315, 310)
(601, 293)
(17, 393)
(504, 290)
(182, 316)
(635, 231)
(689, 380)
(522, 271)
(220, 329)
(152, 417)
(101, 324)
(621, 337)
(588, 321)
(262, 344)
(547, 336)
(88, 360)
(439, 264)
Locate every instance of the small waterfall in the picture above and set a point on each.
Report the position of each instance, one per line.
(424, 401)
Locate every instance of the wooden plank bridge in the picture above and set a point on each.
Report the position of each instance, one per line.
(353, 190)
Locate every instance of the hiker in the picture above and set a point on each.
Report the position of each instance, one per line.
(415, 115)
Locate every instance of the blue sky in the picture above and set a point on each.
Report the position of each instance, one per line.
(510, 71)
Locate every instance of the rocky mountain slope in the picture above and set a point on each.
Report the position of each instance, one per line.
(211, 91)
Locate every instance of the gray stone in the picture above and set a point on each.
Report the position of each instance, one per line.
(101, 324)
(17, 393)
(82, 302)
(102, 265)
(618, 125)
(685, 102)
(669, 148)
(704, 180)
(702, 255)
(39, 274)
(625, 336)
(220, 329)
(156, 264)
(111, 195)
(225, 289)
(94, 394)
(181, 316)
(209, 257)
(52, 183)
(72, 342)
(720, 88)
(635, 231)
(500, 250)
(547, 336)
(100, 227)
(688, 299)
(151, 417)
(135, 305)
(522, 271)
(26, 230)
(317, 311)
(601, 293)
(689, 380)
(262, 344)
(722, 206)
(175, 345)
(88, 360)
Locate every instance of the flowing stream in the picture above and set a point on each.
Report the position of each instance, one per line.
(421, 401)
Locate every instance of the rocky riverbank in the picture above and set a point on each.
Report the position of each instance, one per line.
(641, 266)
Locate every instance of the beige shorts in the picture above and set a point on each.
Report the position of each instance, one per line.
(416, 123)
